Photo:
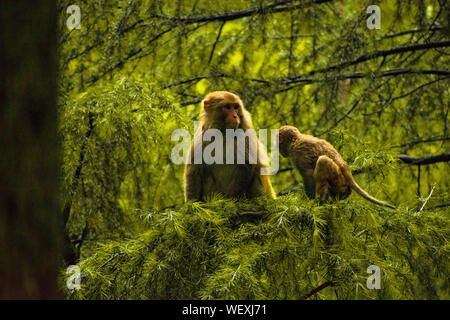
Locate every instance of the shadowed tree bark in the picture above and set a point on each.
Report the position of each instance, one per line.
(30, 221)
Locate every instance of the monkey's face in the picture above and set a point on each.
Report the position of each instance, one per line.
(231, 115)
(223, 110)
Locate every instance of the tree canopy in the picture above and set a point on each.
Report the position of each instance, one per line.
(134, 71)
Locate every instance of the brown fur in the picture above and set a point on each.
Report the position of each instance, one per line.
(230, 180)
(322, 168)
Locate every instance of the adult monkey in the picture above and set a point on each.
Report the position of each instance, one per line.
(322, 168)
(224, 110)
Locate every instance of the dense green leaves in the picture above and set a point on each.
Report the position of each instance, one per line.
(112, 171)
(280, 250)
(136, 70)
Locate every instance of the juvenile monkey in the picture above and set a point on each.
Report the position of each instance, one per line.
(322, 168)
(223, 110)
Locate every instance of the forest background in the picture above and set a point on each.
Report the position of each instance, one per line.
(133, 71)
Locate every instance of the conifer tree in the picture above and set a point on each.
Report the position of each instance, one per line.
(134, 71)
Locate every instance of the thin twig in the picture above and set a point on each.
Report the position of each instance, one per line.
(391, 99)
(319, 288)
(426, 200)
(345, 116)
(402, 33)
(215, 42)
(253, 212)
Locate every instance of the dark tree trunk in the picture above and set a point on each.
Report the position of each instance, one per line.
(30, 214)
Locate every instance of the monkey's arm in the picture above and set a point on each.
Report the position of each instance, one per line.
(306, 170)
(267, 186)
(264, 166)
(193, 182)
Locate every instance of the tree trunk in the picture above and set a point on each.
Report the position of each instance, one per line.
(30, 214)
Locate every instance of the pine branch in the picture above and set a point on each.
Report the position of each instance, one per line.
(234, 15)
(192, 80)
(305, 81)
(215, 42)
(444, 205)
(215, 76)
(382, 53)
(294, 36)
(413, 143)
(426, 200)
(360, 75)
(258, 213)
(72, 255)
(435, 158)
(132, 54)
(188, 103)
(355, 75)
(390, 100)
(319, 288)
(95, 78)
(402, 33)
(342, 118)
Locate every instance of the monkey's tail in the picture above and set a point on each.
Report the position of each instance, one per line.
(349, 177)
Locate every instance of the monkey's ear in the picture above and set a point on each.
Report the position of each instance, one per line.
(207, 103)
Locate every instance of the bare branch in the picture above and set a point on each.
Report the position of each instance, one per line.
(413, 143)
(95, 78)
(402, 33)
(360, 75)
(186, 81)
(319, 288)
(228, 16)
(390, 100)
(342, 118)
(187, 103)
(443, 157)
(215, 42)
(426, 200)
(376, 54)
(444, 205)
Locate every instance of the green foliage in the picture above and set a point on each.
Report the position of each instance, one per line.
(273, 249)
(136, 70)
(110, 167)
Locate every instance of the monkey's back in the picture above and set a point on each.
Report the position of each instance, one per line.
(310, 148)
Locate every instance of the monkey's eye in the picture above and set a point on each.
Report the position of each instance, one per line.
(236, 107)
(228, 106)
